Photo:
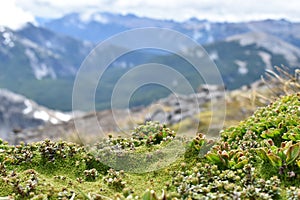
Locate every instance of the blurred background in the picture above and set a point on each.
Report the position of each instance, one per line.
(44, 42)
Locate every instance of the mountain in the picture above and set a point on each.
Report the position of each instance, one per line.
(104, 25)
(97, 26)
(40, 64)
(18, 112)
(45, 53)
(242, 51)
(241, 59)
(283, 29)
(101, 25)
(271, 43)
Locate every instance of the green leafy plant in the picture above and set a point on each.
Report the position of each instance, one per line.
(153, 133)
(257, 159)
(234, 159)
(284, 158)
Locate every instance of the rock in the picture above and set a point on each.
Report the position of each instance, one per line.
(160, 116)
(18, 113)
(181, 107)
(169, 110)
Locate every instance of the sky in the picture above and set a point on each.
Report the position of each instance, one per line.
(14, 13)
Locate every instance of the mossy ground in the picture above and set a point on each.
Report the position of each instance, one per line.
(257, 159)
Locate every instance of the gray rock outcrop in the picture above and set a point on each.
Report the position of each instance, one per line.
(181, 107)
(18, 113)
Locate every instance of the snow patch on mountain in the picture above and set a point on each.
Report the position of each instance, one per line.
(63, 117)
(242, 67)
(54, 117)
(266, 59)
(8, 39)
(28, 108)
(53, 121)
(207, 26)
(28, 43)
(12, 96)
(214, 55)
(197, 35)
(18, 112)
(40, 70)
(41, 115)
(275, 45)
(89, 16)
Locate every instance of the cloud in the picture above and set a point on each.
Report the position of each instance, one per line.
(13, 16)
(17, 11)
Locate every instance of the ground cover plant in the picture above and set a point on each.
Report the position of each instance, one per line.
(257, 159)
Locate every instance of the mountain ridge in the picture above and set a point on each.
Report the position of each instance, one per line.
(272, 43)
(36, 59)
(203, 31)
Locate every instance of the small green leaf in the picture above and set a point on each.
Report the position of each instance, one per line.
(149, 195)
(298, 163)
(292, 153)
(270, 133)
(214, 158)
(285, 136)
(275, 160)
(282, 155)
(261, 153)
(241, 164)
(274, 149)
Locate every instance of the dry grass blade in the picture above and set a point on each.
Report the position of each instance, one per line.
(278, 82)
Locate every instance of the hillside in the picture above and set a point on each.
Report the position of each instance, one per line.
(41, 62)
(35, 60)
(257, 159)
(18, 113)
(208, 110)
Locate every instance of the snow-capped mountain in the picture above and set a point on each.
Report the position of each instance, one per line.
(41, 62)
(103, 25)
(96, 26)
(283, 29)
(243, 58)
(273, 44)
(100, 26)
(41, 52)
(18, 112)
